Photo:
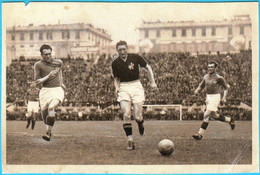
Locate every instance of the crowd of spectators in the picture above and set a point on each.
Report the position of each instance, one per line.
(89, 82)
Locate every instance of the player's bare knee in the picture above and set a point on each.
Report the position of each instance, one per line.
(51, 112)
(126, 112)
(54, 103)
(29, 114)
(51, 108)
(139, 118)
(206, 120)
(127, 119)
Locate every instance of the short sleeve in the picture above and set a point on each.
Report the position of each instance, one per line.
(142, 62)
(114, 71)
(36, 71)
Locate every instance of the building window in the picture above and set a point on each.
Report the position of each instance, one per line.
(158, 33)
(230, 31)
(13, 36)
(31, 45)
(49, 35)
(68, 34)
(65, 35)
(241, 30)
(174, 32)
(183, 32)
(22, 46)
(78, 34)
(146, 33)
(203, 32)
(40, 35)
(213, 31)
(31, 35)
(193, 32)
(22, 36)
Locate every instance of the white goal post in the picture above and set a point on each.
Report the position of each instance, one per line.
(169, 106)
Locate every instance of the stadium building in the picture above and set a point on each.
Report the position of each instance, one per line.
(74, 40)
(191, 36)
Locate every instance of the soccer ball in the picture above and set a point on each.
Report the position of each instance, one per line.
(166, 147)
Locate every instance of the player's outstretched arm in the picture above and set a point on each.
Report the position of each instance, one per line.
(223, 83)
(197, 91)
(224, 98)
(151, 76)
(200, 87)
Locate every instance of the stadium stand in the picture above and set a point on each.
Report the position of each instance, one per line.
(89, 84)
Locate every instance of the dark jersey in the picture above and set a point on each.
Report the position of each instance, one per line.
(32, 94)
(41, 69)
(128, 70)
(213, 84)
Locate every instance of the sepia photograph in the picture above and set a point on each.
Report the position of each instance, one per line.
(130, 87)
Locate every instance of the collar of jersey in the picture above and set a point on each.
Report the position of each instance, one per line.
(212, 74)
(123, 59)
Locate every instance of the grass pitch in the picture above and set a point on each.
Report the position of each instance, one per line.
(104, 143)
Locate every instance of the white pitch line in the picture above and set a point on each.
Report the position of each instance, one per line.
(240, 154)
(238, 157)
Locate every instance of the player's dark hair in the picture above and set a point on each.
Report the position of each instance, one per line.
(45, 46)
(215, 63)
(121, 43)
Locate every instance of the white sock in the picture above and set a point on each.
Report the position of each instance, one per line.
(48, 128)
(227, 119)
(130, 137)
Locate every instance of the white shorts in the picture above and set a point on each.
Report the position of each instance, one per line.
(48, 94)
(212, 102)
(131, 91)
(33, 106)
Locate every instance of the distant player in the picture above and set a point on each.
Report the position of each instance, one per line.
(125, 69)
(32, 96)
(213, 84)
(47, 72)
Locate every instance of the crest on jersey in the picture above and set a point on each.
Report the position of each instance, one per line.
(131, 66)
(214, 81)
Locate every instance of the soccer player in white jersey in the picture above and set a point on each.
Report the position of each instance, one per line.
(213, 84)
(125, 69)
(47, 72)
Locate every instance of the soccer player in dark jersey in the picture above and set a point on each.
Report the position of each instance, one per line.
(213, 84)
(31, 96)
(47, 72)
(125, 69)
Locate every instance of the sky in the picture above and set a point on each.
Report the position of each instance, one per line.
(119, 19)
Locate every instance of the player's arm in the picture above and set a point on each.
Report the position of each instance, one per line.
(151, 76)
(200, 87)
(37, 77)
(226, 87)
(116, 78)
(61, 80)
(57, 62)
(116, 84)
(143, 63)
